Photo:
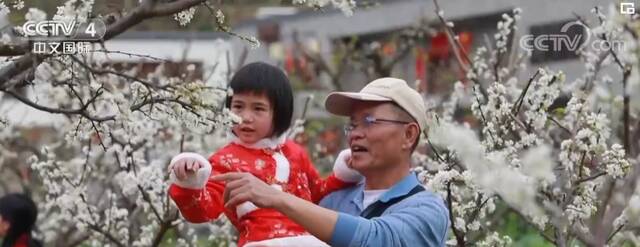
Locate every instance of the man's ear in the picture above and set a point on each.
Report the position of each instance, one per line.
(411, 134)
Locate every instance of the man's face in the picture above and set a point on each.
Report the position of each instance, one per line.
(4, 227)
(376, 145)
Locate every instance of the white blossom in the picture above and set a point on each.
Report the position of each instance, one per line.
(346, 6)
(185, 16)
(4, 10)
(35, 15)
(74, 10)
(495, 240)
(616, 163)
(18, 4)
(5, 39)
(537, 163)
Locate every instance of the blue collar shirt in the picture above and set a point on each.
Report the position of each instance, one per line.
(419, 220)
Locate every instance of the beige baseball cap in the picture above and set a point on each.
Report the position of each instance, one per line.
(384, 89)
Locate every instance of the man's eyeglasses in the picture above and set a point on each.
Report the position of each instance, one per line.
(367, 121)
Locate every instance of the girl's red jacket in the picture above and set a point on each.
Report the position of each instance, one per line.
(203, 205)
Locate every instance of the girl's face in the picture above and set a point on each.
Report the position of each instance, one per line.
(4, 227)
(257, 116)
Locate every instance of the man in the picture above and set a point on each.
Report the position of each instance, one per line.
(389, 207)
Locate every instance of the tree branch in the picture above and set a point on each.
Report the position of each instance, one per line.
(14, 49)
(518, 104)
(80, 111)
(459, 236)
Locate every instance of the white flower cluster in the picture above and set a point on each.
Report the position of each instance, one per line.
(583, 205)
(495, 240)
(4, 10)
(185, 16)
(545, 157)
(74, 10)
(35, 14)
(346, 6)
(615, 161)
(537, 163)
(505, 28)
(449, 107)
(591, 133)
(514, 187)
(5, 39)
(219, 17)
(18, 4)
(480, 67)
(95, 172)
(541, 94)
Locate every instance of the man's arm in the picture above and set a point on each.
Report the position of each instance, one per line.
(242, 187)
(317, 220)
(423, 223)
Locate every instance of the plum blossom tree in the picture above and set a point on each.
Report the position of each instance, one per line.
(562, 155)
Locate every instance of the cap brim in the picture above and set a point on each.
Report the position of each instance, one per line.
(341, 103)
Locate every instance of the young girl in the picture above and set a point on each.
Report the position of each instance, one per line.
(264, 100)
(18, 214)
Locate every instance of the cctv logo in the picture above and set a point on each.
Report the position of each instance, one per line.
(627, 8)
(48, 28)
(557, 42)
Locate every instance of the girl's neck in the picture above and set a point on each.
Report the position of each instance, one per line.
(264, 143)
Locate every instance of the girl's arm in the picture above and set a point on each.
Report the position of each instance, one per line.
(341, 177)
(198, 199)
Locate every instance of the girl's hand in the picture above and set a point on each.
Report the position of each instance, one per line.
(342, 167)
(189, 170)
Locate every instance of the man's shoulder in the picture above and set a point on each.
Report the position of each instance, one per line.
(345, 191)
(339, 197)
(429, 196)
(424, 199)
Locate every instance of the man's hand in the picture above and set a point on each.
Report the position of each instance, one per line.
(241, 187)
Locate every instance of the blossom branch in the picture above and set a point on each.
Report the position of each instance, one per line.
(146, 10)
(80, 111)
(518, 104)
(113, 72)
(458, 235)
(14, 48)
(319, 61)
(461, 55)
